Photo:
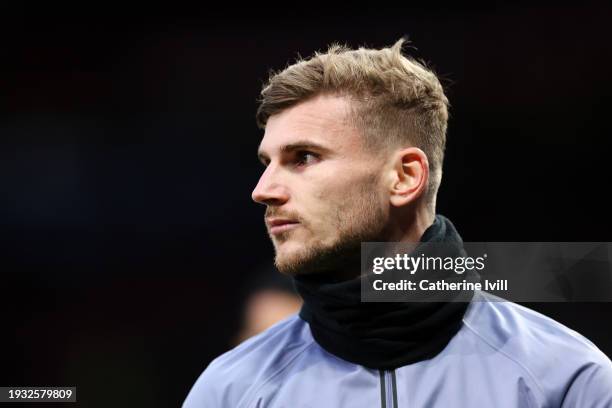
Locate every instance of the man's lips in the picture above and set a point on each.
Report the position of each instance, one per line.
(278, 225)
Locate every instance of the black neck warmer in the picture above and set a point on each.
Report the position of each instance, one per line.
(383, 335)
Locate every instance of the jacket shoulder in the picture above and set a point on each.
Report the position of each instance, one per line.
(553, 355)
(231, 378)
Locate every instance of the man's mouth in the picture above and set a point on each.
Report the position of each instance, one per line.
(279, 225)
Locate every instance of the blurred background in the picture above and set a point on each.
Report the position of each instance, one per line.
(130, 246)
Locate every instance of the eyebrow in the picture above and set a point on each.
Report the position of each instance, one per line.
(292, 147)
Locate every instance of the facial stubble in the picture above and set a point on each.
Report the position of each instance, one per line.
(360, 218)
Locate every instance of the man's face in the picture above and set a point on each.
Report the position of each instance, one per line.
(322, 188)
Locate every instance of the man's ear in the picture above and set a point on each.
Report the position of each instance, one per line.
(410, 175)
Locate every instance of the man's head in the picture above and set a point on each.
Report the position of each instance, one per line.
(353, 148)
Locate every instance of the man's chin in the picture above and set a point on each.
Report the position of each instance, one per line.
(309, 261)
(293, 263)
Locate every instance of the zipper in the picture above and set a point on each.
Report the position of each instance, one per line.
(388, 389)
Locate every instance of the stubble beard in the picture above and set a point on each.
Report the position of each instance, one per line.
(364, 222)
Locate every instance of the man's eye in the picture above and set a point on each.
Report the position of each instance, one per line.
(305, 158)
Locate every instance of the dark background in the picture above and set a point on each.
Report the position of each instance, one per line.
(128, 157)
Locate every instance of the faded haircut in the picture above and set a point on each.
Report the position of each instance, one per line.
(396, 101)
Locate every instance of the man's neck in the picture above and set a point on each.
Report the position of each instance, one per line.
(412, 228)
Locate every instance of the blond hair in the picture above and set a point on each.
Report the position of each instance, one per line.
(397, 101)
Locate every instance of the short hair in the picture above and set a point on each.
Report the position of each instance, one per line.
(396, 100)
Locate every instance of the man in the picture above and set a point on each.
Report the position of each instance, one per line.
(353, 150)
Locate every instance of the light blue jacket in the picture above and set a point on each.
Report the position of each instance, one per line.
(505, 355)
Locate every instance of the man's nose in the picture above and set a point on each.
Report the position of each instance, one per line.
(269, 190)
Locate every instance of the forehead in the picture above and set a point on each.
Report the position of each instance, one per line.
(321, 120)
